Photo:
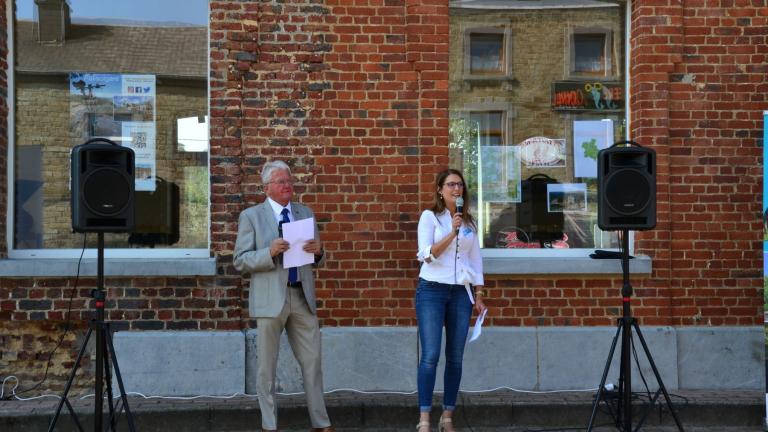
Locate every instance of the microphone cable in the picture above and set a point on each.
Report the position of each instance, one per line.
(67, 328)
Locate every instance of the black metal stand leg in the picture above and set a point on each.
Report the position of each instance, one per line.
(625, 384)
(658, 377)
(99, 392)
(120, 385)
(600, 389)
(105, 351)
(108, 382)
(74, 417)
(71, 378)
(625, 326)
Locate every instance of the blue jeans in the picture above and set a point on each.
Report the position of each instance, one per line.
(439, 305)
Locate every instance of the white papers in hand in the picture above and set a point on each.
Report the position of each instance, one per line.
(297, 234)
(478, 325)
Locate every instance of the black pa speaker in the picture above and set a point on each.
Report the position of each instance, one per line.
(626, 187)
(102, 186)
(157, 218)
(532, 213)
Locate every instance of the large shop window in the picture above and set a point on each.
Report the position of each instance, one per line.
(528, 144)
(134, 72)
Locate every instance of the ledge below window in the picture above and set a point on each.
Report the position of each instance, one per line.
(63, 267)
(563, 265)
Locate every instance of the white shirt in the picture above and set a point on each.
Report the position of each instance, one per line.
(277, 209)
(468, 262)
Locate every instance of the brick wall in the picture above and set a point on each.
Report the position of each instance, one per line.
(698, 88)
(354, 98)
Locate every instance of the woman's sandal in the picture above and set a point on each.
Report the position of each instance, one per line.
(443, 422)
(422, 424)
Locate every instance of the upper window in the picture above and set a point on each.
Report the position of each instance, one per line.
(133, 72)
(486, 52)
(590, 53)
(528, 146)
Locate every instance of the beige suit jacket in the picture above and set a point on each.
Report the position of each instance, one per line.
(269, 280)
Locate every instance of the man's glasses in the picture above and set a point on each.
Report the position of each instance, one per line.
(454, 184)
(284, 182)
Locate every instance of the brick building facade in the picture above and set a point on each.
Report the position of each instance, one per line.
(355, 98)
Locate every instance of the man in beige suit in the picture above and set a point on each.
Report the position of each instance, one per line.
(281, 298)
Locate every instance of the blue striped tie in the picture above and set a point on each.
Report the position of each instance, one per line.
(293, 275)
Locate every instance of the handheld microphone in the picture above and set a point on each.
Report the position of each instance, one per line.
(459, 207)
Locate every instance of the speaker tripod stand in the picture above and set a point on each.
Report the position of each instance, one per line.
(105, 351)
(624, 328)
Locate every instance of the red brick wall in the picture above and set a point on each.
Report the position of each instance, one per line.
(354, 98)
(698, 71)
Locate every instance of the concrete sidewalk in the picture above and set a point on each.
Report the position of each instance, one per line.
(501, 410)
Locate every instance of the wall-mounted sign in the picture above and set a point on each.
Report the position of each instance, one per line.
(587, 96)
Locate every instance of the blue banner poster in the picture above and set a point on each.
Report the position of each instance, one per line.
(765, 208)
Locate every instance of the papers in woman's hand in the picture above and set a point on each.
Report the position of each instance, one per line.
(478, 325)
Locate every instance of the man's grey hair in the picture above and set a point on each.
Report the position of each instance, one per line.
(272, 166)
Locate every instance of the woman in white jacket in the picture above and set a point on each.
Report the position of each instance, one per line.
(450, 281)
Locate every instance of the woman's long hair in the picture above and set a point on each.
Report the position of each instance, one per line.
(439, 205)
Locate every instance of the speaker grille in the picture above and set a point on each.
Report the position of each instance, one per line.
(627, 191)
(107, 191)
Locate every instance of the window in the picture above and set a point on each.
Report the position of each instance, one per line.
(486, 53)
(528, 147)
(134, 72)
(590, 53)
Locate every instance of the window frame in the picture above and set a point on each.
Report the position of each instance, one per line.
(607, 52)
(88, 253)
(503, 29)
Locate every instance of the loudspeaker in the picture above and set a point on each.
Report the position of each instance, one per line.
(532, 214)
(157, 218)
(626, 187)
(102, 187)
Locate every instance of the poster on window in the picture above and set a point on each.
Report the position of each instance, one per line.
(589, 137)
(140, 136)
(566, 197)
(120, 108)
(500, 174)
(543, 152)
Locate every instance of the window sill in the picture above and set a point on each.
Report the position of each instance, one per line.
(63, 267)
(563, 265)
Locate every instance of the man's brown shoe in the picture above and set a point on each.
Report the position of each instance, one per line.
(325, 429)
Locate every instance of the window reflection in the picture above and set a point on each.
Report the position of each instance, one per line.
(75, 80)
(527, 142)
